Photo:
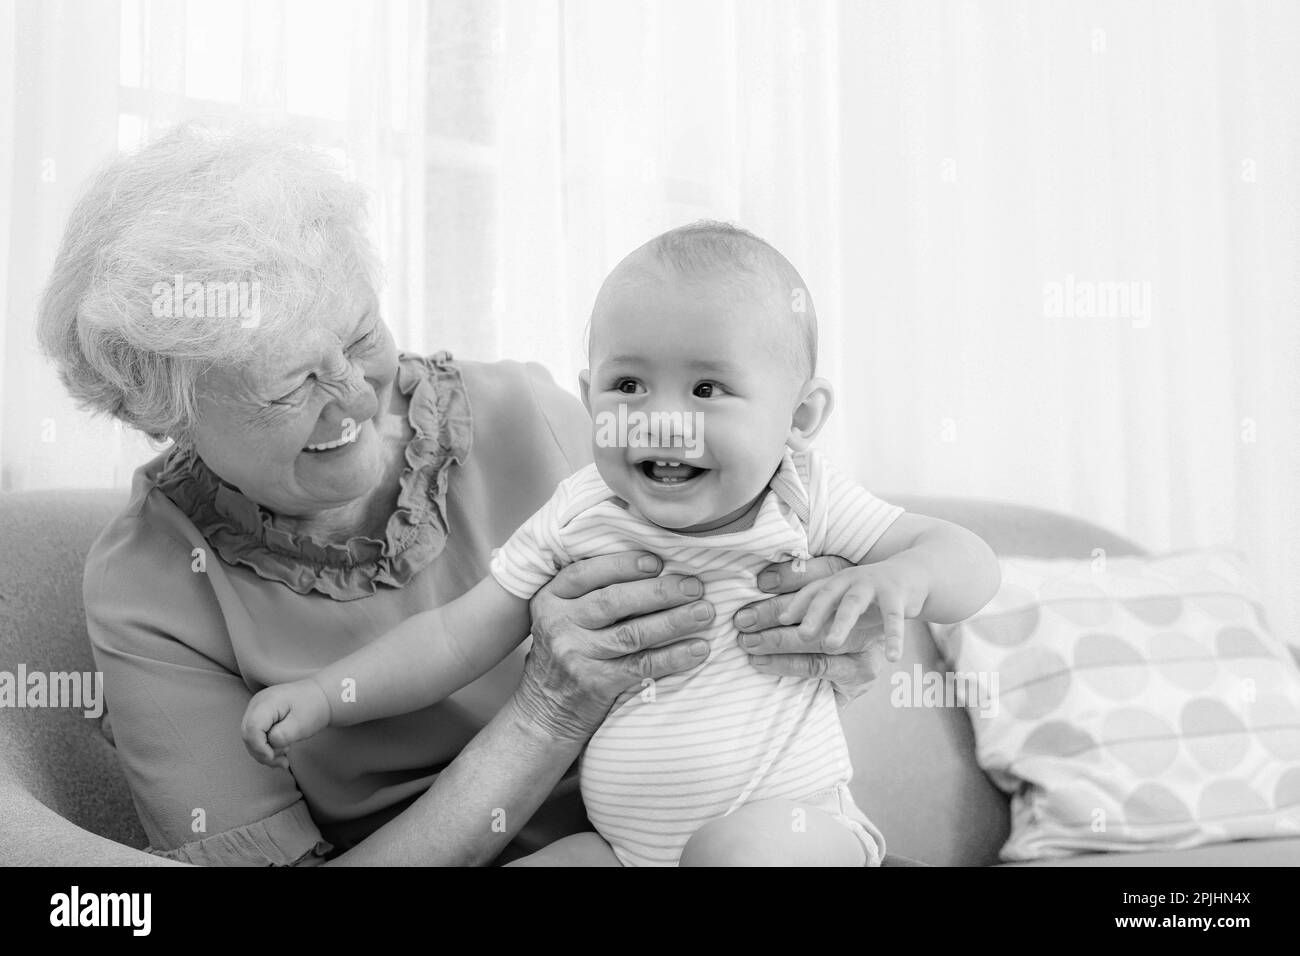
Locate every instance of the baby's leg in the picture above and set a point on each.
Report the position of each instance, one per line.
(774, 833)
(580, 849)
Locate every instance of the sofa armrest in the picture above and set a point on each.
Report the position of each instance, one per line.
(31, 834)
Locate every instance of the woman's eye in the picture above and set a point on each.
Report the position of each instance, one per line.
(366, 340)
(707, 390)
(627, 386)
(290, 398)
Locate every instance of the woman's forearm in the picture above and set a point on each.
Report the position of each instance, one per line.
(478, 803)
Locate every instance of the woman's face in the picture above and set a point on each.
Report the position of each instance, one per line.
(299, 429)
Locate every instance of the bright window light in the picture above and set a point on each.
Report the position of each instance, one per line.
(214, 44)
(318, 57)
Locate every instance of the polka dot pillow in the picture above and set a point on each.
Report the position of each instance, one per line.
(1131, 704)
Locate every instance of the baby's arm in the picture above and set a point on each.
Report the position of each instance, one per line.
(920, 567)
(908, 566)
(959, 570)
(427, 657)
(424, 659)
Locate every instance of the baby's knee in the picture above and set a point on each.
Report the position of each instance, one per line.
(578, 849)
(744, 838)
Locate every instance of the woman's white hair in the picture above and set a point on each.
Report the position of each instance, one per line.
(197, 205)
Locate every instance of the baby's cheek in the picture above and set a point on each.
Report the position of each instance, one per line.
(612, 467)
(751, 459)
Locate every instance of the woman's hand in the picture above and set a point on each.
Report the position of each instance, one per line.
(780, 649)
(601, 626)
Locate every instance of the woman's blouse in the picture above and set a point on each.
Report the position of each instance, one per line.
(196, 598)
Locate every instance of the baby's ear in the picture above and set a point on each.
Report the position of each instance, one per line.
(815, 403)
(584, 388)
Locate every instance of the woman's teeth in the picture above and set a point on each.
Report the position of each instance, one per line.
(669, 472)
(326, 446)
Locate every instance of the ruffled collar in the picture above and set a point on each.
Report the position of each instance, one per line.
(243, 533)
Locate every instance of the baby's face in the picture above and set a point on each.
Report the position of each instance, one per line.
(712, 361)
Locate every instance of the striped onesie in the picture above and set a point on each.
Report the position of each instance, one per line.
(688, 748)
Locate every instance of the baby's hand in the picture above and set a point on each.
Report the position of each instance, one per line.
(898, 588)
(281, 715)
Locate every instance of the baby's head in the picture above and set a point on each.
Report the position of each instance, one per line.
(702, 352)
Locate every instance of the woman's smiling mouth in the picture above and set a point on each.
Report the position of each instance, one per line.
(346, 439)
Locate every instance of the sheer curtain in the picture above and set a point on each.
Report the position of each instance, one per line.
(945, 175)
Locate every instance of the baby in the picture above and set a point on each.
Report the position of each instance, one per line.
(702, 392)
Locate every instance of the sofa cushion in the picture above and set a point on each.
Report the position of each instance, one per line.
(1139, 704)
(1237, 853)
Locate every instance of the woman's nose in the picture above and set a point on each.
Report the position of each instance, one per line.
(356, 399)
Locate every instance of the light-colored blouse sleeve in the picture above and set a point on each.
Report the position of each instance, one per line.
(176, 701)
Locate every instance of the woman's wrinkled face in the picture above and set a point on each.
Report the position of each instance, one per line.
(298, 429)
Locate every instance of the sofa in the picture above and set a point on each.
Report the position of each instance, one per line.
(64, 800)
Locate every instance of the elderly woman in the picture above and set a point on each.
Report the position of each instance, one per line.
(218, 291)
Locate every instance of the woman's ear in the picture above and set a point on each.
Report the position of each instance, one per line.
(815, 403)
(584, 388)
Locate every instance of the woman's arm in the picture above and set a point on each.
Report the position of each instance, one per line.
(175, 698)
(599, 627)
(478, 803)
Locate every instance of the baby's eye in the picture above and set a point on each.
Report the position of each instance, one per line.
(707, 390)
(627, 386)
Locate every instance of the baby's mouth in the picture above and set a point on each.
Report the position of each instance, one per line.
(669, 472)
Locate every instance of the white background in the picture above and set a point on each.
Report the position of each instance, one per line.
(929, 167)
